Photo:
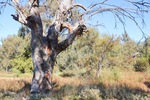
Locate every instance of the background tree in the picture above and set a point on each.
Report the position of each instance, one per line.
(45, 48)
(9, 49)
(15, 54)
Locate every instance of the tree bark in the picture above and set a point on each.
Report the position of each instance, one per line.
(44, 56)
(45, 48)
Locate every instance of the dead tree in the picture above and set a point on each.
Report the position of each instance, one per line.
(46, 48)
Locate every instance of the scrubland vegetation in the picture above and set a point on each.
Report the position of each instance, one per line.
(95, 67)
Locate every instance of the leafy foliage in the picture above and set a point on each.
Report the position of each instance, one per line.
(141, 64)
(85, 56)
(93, 50)
(23, 31)
(15, 55)
(10, 48)
(79, 56)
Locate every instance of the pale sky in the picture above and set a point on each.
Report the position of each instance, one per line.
(107, 19)
(8, 26)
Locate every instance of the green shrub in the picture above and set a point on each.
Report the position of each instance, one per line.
(16, 71)
(90, 94)
(110, 75)
(141, 65)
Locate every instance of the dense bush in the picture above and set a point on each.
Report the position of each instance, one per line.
(15, 55)
(84, 56)
(141, 64)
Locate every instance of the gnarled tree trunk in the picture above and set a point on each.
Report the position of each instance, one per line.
(45, 48)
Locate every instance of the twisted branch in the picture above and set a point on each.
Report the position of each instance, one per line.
(20, 17)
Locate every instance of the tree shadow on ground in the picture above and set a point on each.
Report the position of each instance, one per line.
(80, 92)
(16, 89)
(100, 91)
(147, 84)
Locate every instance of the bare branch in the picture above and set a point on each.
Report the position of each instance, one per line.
(3, 4)
(91, 6)
(78, 5)
(64, 13)
(120, 13)
(18, 18)
(21, 17)
(139, 3)
(68, 41)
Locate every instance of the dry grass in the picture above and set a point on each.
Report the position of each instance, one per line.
(14, 84)
(137, 80)
(130, 79)
(64, 86)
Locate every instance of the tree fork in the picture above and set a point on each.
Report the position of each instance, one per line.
(45, 48)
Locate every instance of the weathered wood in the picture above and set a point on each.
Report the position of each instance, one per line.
(46, 48)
